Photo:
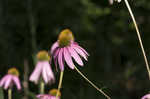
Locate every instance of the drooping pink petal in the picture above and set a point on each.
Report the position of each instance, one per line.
(54, 46)
(36, 73)
(60, 59)
(17, 82)
(56, 56)
(76, 45)
(44, 74)
(80, 52)
(3, 80)
(49, 72)
(8, 82)
(75, 56)
(68, 58)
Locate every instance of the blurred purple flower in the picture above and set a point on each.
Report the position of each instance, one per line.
(112, 1)
(65, 48)
(42, 69)
(146, 96)
(51, 95)
(10, 79)
(46, 96)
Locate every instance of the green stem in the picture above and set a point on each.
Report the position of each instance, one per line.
(139, 36)
(60, 83)
(10, 93)
(92, 83)
(42, 87)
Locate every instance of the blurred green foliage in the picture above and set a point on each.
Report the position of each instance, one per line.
(105, 31)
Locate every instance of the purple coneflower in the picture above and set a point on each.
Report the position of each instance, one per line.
(146, 96)
(42, 70)
(65, 49)
(12, 78)
(51, 95)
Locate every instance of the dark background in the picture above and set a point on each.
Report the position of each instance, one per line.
(106, 31)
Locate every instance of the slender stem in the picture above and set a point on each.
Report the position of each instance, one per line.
(42, 87)
(139, 36)
(10, 93)
(92, 83)
(60, 83)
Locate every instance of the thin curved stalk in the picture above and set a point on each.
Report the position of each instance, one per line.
(101, 91)
(139, 36)
(60, 83)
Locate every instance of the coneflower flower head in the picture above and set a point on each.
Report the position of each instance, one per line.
(10, 79)
(65, 49)
(42, 69)
(146, 96)
(51, 95)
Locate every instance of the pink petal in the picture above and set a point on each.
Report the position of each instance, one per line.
(60, 59)
(80, 52)
(3, 80)
(146, 96)
(56, 56)
(36, 73)
(43, 96)
(17, 82)
(54, 46)
(75, 56)
(8, 82)
(49, 72)
(67, 58)
(76, 45)
(54, 97)
(44, 75)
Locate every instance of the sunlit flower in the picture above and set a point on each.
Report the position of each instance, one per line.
(51, 95)
(65, 49)
(146, 96)
(10, 79)
(42, 69)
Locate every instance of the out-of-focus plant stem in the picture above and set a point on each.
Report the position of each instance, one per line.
(139, 36)
(25, 82)
(32, 26)
(10, 93)
(42, 87)
(60, 83)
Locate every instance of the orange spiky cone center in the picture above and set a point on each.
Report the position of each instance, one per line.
(13, 71)
(65, 38)
(53, 92)
(43, 56)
